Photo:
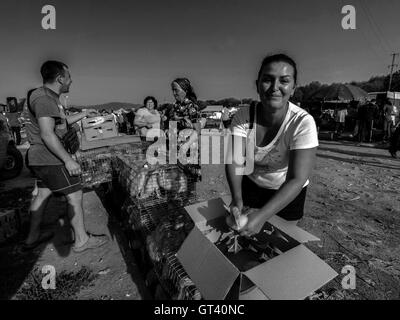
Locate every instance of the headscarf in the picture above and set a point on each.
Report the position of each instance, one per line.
(186, 86)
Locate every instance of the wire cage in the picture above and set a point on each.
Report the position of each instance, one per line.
(154, 209)
(163, 184)
(176, 280)
(162, 244)
(162, 230)
(154, 185)
(97, 164)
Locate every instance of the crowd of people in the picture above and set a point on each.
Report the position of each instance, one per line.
(363, 122)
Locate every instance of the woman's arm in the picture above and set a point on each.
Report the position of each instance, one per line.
(232, 167)
(139, 121)
(301, 163)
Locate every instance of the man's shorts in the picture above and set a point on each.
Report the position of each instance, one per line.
(57, 179)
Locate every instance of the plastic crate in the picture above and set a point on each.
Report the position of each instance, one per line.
(99, 128)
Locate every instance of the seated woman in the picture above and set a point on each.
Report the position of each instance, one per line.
(147, 117)
(285, 144)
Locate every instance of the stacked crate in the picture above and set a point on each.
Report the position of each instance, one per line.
(99, 128)
(97, 164)
(154, 210)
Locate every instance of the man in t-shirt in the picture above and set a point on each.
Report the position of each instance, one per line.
(55, 169)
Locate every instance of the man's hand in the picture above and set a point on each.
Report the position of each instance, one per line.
(73, 168)
(91, 113)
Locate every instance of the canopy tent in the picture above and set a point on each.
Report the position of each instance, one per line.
(340, 93)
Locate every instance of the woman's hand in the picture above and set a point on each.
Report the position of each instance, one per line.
(188, 123)
(254, 224)
(236, 203)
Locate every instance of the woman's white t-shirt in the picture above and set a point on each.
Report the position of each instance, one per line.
(150, 118)
(298, 131)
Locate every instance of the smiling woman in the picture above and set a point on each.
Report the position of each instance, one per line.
(285, 144)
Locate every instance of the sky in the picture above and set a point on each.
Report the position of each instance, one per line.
(124, 50)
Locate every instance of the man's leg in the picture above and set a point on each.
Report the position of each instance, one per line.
(18, 134)
(75, 212)
(370, 126)
(37, 207)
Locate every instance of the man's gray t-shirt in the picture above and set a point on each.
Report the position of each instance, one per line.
(44, 103)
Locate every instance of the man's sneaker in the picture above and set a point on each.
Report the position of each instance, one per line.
(93, 242)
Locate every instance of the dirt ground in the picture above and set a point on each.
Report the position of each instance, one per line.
(352, 206)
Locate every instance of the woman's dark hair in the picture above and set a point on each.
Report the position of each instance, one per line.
(279, 58)
(186, 86)
(50, 70)
(150, 98)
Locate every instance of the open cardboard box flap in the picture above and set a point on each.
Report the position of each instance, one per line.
(294, 274)
(208, 268)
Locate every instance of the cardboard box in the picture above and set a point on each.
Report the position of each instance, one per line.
(292, 275)
(99, 128)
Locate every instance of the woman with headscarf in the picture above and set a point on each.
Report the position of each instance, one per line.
(186, 113)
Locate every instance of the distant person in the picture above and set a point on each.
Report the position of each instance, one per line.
(13, 121)
(147, 117)
(55, 169)
(131, 119)
(372, 116)
(395, 142)
(285, 142)
(121, 122)
(340, 119)
(389, 119)
(362, 122)
(317, 115)
(352, 118)
(225, 117)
